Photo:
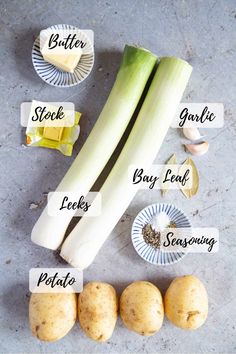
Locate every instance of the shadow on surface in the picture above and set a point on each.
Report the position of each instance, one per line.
(16, 304)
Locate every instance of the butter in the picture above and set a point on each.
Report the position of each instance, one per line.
(53, 133)
(66, 62)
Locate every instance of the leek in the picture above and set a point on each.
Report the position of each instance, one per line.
(136, 67)
(141, 148)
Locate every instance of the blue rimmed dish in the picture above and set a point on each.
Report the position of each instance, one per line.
(147, 252)
(56, 77)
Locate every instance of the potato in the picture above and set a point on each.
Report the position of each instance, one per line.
(141, 308)
(97, 310)
(52, 315)
(186, 302)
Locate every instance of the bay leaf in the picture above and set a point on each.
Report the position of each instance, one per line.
(172, 161)
(189, 193)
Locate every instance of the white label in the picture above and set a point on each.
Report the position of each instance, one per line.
(55, 280)
(161, 176)
(199, 115)
(66, 41)
(190, 240)
(75, 204)
(90, 34)
(47, 114)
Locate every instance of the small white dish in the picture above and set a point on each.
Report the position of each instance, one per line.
(147, 252)
(55, 77)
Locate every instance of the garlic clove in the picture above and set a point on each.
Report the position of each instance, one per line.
(198, 149)
(192, 133)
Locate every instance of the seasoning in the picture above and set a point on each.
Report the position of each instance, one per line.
(151, 237)
(172, 225)
(160, 221)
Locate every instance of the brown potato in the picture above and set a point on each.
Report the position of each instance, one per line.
(52, 315)
(186, 302)
(141, 308)
(98, 310)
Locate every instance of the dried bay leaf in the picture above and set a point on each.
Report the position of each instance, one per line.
(189, 193)
(172, 161)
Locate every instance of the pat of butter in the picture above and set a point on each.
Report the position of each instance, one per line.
(53, 133)
(66, 61)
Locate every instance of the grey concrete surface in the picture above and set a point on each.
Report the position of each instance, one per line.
(202, 32)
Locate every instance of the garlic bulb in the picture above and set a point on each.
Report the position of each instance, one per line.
(192, 133)
(198, 149)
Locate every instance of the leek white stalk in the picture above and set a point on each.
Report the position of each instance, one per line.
(136, 67)
(141, 148)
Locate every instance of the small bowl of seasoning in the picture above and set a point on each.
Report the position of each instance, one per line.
(146, 232)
